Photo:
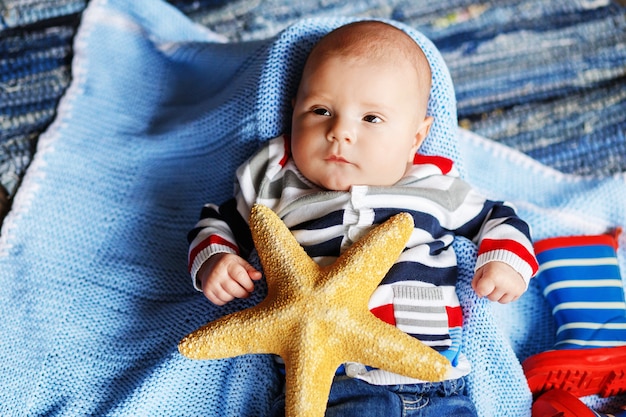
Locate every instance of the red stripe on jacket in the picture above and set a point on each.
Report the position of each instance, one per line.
(488, 245)
(211, 240)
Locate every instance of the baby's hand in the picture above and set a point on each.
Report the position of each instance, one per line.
(498, 282)
(226, 276)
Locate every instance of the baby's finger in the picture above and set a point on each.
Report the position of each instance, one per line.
(496, 295)
(507, 298)
(484, 288)
(218, 296)
(253, 273)
(242, 278)
(235, 289)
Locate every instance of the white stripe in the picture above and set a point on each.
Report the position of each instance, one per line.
(412, 315)
(202, 256)
(314, 237)
(578, 262)
(508, 257)
(440, 331)
(450, 299)
(498, 230)
(437, 343)
(590, 325)
(383, 295)
(443, 259)
(589, 306)
(595, 283)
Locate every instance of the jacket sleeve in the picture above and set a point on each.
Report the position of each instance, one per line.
(503, 236)
(224, 228)
(212, 234)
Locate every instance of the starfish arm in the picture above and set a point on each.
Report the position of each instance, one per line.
(284, 261)
(310, 369)
(313, 318)
(381, 345)
(252, 330)
(371, 257)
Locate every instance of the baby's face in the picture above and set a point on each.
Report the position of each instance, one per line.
(356, 122)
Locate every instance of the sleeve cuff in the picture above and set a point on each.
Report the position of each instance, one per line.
(508, 258)
(204, 256)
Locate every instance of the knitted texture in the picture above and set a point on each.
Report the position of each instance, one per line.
(93, 283)
(17, 13)
(580, 278)
(34, 72)
(554, 204)
(543, 76)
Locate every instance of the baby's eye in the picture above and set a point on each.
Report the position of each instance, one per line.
(321, 111)
(370, 118)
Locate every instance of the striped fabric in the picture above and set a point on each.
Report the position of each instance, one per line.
(137, 147)
(581, 280)
(418, 294)
(431, 314)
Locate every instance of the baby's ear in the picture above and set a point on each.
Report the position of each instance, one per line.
(421, 134)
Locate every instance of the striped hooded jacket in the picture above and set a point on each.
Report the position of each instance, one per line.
(418, 293)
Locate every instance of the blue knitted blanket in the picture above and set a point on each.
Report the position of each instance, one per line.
(94, 290)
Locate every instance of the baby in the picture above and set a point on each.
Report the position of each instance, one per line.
(349, 163)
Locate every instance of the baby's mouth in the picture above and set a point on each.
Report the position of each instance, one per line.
(337, 158)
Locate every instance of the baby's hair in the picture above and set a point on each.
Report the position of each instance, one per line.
(375, 40)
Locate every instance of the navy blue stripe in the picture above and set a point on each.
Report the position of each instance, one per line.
(595, 335)
(239, 227)
(585, 294)
(330, 247)
(431, 337)
(579, 272)
(500, 211)
(229, 214)
(381, 215)
(576, 252)
(520, 225)
(328, 220)
(471, 228)
(205, 213)
(415, 271)
(493, 210)
(590, 315)
(421, 220)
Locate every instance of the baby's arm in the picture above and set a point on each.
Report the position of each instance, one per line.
(226, 276)
(498, 282)
(220, 241)
(506, 259)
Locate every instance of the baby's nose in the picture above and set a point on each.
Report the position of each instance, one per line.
(341, 130)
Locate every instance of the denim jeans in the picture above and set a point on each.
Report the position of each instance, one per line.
(351, 397)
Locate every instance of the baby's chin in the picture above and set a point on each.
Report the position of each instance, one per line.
(335, 187)
(339, 183)
(346, 186)
(331, 184)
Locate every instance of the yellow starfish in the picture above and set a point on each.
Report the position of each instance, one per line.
(316, 318)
